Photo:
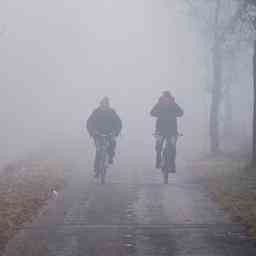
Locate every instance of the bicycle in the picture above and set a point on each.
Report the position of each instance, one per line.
(168, 154)
(102, 154)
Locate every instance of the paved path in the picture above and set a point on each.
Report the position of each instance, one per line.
(132, 215)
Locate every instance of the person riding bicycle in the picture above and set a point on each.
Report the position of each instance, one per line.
(104, 120)
(166, 111)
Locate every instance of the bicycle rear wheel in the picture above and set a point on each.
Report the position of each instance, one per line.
(165, 169)
(165, 176)
(103, 176)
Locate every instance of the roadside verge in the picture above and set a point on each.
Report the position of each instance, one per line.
(25, 186)
(232, 185)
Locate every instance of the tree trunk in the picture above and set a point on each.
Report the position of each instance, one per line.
(228, 113)
(254, 107)
(216, 98)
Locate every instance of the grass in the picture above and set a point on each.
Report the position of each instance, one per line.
(25, 186)
(233, 186)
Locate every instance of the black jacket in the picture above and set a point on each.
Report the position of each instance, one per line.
(166, 115)
(104, 121)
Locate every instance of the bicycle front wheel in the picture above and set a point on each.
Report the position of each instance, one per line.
(165, 176)
(103, 176)
(103, 168)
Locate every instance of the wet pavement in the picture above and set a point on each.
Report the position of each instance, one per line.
(132, 215)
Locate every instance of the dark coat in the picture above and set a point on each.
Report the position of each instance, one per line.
(166, 115)
(104, 122)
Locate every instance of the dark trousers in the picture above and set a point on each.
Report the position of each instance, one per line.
(110, 150)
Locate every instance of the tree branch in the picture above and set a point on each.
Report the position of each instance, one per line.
(229, 28)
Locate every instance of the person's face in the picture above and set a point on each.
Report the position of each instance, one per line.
(165, 100)
(104, 104)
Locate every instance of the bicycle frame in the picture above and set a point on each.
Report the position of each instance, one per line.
(168, 149)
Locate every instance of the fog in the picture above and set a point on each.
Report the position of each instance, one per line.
(59, 58)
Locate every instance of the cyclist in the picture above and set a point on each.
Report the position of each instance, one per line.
(166, 111)
(104, 120)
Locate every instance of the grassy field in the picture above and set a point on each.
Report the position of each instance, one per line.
(25, 186)
(233, 186)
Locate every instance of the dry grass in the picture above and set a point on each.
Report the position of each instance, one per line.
(24, 188)
(234, 186)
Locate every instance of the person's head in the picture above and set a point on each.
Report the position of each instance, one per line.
(166, 97)
(105, 103)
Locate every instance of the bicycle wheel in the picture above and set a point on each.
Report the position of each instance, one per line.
(103, 167)
(172, 155)
(165, 168)
(166, 177)
(103, 177)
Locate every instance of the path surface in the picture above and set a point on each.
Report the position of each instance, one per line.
(132, 215)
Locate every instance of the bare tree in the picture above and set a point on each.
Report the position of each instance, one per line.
(250, 18)
(220, 19)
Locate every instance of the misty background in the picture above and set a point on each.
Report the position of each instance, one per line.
(59, 58)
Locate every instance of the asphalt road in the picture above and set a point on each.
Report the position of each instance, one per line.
(133, 214)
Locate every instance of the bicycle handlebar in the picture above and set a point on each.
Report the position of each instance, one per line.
(103, 135)
(178, 135)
